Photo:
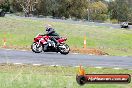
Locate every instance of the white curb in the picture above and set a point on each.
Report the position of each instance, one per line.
(99, 67)
(17, 63)
(117, 68)
(75, 53)
(36, 64)
(54, 65)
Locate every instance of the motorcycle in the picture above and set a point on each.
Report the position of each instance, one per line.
(44, 43)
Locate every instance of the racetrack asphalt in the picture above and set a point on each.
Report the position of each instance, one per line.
(28, 57)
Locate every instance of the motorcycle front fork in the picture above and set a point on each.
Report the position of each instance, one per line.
(38, 44)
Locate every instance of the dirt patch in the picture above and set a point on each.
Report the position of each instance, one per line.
(92, 51)
(17, 47)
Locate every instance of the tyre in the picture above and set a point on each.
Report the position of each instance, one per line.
(81, 80)
(36, 48)
(64, 49)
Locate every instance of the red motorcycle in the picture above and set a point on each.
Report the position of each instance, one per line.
(44, 43)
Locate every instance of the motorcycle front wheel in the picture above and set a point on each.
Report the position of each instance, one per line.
(64, 49)
(36, 48)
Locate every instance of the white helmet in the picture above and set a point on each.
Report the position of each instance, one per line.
(47, 26)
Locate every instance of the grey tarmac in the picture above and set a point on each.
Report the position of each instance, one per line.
(28, 57)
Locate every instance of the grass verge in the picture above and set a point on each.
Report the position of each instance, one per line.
(27, 76)
(21, 31)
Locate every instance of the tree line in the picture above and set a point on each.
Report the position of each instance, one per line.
(92, 10)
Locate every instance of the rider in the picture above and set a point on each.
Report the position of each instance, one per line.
(51, 32)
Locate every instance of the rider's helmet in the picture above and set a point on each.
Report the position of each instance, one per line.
(48, 27)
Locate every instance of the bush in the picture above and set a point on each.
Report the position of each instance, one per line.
(5, 5)
(114, 21)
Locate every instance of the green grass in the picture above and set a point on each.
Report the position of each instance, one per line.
(27, 76)
(20, 32)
